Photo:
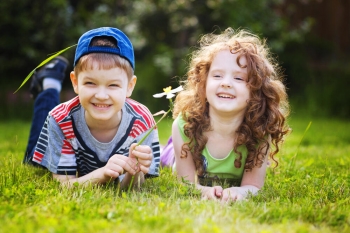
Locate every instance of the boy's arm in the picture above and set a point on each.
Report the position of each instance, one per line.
(137, 164)
(116, 165)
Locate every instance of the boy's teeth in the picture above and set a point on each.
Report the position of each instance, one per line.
(101, 105)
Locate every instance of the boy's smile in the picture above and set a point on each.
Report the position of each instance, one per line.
(102, 94)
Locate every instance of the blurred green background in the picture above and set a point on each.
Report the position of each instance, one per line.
(310, 39)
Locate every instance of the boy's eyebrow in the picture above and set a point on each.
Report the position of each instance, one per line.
(88, 78)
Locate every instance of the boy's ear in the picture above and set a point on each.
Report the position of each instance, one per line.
(74, 81)
(131, 86)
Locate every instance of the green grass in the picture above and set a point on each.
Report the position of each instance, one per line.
(307, 192)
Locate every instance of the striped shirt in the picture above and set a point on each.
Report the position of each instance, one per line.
(66, 146)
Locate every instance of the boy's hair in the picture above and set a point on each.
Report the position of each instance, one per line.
(104, 48)
(267, 107)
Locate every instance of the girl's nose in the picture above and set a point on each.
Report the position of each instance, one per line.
(226, 82)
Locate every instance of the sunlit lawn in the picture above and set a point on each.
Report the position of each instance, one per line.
(308, 192)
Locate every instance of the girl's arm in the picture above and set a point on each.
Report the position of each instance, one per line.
(252, 182)
(186, 169)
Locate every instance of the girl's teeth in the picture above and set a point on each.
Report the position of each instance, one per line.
(225, 96)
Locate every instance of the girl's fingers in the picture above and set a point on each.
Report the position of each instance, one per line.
(230, 195)
(239, 197)
(218, 191)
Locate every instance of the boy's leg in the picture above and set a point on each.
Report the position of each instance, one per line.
(45, 89)
(44, 103)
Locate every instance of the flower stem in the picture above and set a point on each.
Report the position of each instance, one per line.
(142, 139)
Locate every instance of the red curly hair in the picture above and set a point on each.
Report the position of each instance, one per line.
(265, 118)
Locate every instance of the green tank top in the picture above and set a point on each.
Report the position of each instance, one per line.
(218, 171)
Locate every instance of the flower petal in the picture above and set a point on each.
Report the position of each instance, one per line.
(159, 95)
(178, 89)
(170, 95)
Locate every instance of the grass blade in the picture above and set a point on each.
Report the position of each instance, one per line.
(41, 64)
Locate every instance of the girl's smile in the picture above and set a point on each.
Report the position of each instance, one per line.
(225, 96)
(226, 90)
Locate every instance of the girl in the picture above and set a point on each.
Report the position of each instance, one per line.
(230, 116)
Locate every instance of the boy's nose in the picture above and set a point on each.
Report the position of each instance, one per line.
(101, 94)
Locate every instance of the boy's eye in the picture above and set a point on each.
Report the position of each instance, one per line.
(89, 83)
(114, 85)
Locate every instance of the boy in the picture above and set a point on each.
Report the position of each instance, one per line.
(92, 138)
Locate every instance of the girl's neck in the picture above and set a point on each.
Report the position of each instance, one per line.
(225, 125)
(222, 136)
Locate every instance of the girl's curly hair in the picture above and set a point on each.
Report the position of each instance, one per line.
(265, 118)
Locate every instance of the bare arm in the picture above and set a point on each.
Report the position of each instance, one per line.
(186, 169)
(252, 182)
(137, 164)
(115, 166)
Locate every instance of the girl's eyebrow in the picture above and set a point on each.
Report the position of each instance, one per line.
(222, 70)
(239, 72)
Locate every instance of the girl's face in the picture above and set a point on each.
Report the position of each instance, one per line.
(226, 88)
(102, 93)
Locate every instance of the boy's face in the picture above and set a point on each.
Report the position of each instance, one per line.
(102, 93)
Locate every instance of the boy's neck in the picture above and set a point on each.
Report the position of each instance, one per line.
(104, 131)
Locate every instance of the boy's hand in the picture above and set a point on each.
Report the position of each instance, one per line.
(144, 156)
(211, 193)
(119, 164)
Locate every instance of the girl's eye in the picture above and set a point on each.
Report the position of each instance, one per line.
(114, 85)
(217, 76)
(89, 83)
(239, 78)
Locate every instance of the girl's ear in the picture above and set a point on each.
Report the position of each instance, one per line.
(74, 81)
(131, 86)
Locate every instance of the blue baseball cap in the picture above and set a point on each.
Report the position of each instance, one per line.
(124, 46)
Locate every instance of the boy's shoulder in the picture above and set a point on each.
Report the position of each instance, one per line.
(139, 111)
(65, 109)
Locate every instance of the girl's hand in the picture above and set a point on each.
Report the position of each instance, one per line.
(211, 193)
(118, 165)
(144, 156)
(233, 194)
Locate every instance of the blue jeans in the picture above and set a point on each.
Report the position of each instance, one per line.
(44, 103)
